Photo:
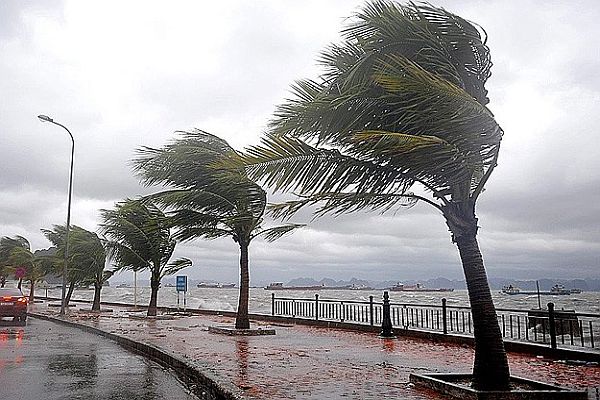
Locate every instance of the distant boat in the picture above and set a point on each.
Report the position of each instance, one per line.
(122, 285)
(279, 286)
(510, 289)
(217, 285)
(353, 287)
(399, 287)
(575, 291)
(558, 290)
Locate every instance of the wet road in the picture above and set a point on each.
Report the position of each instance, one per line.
(44, 360)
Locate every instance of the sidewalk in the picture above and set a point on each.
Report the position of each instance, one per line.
(302, 362)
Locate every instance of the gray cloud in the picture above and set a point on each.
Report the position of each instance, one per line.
(224, 67)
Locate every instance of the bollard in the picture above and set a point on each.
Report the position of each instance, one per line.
(371, 309)
(272, 303)
(444, 317)
(552, 325)
(386, 323)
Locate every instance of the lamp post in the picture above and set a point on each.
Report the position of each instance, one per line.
(45, 118)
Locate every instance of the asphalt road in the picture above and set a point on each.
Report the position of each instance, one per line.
(47, 361)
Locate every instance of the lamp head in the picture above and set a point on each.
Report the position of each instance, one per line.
(45, 118)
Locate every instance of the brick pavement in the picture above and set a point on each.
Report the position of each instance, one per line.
(303, 362)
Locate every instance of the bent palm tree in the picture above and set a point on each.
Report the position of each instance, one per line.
(209, 200)
(7, 245)
(16, 253)
(87, 251)
(402, 105)
(140, 238)
(84, 264)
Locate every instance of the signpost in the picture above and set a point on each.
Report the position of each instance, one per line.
(181, 286)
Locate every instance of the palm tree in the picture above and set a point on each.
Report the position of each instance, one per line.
(140, 238)
(398, 117)
(208, 199)
(81, 269)
(87, 251)
(7, 246)
(16, 253)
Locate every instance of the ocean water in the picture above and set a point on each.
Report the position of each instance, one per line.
(260, 299)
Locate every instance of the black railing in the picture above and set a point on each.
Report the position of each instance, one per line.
(557, 328)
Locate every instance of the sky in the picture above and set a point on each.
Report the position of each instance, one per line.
(121, 75)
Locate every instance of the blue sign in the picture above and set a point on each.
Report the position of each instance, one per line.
(181, 283)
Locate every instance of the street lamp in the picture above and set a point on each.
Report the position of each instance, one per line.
(45, 118)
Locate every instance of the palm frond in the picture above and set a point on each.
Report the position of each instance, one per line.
(138, 236)
(274, 233)
(344, 203)
(286, 163)
(402, 101)
(175, 266)
(208, 186)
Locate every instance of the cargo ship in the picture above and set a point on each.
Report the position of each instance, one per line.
(218, 285)
(399, 287)
(279, 286)
(353, 287)
(554, 291)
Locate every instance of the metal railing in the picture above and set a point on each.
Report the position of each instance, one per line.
(557, 328)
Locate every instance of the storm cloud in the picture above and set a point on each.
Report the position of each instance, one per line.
(122, 75)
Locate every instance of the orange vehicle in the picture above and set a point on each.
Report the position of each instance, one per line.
(13, 304)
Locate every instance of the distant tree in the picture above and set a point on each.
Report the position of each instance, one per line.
(57, 236)
(87, 251)
(209, 200)
(87, 259)
(401, 105)
(7, 245)
(139, 238)
(16, 253)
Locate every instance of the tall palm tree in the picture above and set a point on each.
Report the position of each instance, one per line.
(139, 238)
(208, 199)
(398, 117)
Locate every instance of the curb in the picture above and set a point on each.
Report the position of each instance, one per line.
(203, 383)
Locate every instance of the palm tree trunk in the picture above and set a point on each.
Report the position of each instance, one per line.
(69, 293)
(241, 320)
(154, 285)
(490, 367)
(96, 303)
(31, 291)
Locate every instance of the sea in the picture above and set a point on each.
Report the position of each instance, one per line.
(225, 299)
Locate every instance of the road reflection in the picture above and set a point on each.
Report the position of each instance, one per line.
(11, 339)
(59, 363)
